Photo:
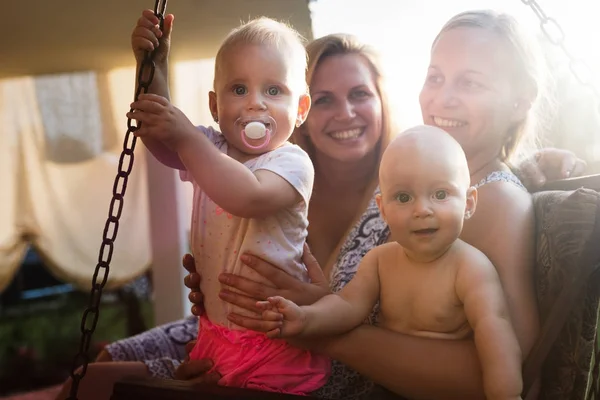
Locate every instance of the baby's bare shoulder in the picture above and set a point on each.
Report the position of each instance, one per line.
(388, 251)
(386, 255)
(469, 259)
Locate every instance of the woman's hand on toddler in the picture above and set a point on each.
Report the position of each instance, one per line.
(284, 285)
(158, 119)
(197, 371)
(283, 318)
(192, 281)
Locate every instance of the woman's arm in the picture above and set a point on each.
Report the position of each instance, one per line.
(503, 229)
(414, 367)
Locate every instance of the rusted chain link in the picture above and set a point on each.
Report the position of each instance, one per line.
(111, 228)
(556, 35)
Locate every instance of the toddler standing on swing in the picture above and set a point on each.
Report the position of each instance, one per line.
(251, 187)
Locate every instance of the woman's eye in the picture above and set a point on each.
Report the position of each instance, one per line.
(441, 195)
(239, 90)
(434, 79)
(273, 91)
(321, 100)
(471, 84)
(359, 94)
(403, 198)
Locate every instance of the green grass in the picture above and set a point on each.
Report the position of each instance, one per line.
(38, 340)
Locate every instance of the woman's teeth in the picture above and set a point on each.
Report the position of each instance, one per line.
(349, 134)
(448, 123)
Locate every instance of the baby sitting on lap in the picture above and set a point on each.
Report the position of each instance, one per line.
(427, 281)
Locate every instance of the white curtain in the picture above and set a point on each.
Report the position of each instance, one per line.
(60, 140)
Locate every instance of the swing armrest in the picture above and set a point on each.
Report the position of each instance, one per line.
(587, 181)
(567, 277)
(163, 389)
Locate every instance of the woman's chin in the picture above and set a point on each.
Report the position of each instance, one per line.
(351, 155)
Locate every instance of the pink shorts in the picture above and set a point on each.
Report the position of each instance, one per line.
(249, 359)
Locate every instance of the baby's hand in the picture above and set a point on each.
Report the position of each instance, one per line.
(288, 318)
(161, 120)
(147, 36)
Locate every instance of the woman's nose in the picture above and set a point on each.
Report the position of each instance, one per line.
(345, 111)
(446, 96)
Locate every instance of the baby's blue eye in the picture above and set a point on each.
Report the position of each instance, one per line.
(403, 197)
(240, 90)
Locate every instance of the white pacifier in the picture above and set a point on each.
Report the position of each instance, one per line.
(256, 129)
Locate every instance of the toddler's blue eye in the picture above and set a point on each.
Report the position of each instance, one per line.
(273, 91)
(441, 195)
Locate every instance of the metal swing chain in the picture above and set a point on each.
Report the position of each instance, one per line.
(92, 312)
(556, 35)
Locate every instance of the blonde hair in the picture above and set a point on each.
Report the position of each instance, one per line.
(342, 44)
(269, 32)
(533, 78)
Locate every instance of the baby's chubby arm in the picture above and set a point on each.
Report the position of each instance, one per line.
(332, 314)
(228, 182)
(231, 185)
(147, 37)
(478, 287)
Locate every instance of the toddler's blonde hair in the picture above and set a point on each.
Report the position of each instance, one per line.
(268, 32)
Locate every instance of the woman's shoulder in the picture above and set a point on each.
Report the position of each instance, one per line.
(500, 193)
(504, 213)
(501, 196)
(500, 176)
(502, 207)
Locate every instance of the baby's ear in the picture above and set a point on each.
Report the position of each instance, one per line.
(471, 202)
(304, 104)
(380, 206)
(212, 105)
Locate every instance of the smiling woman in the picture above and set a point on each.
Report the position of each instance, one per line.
(404, 33)
(345, 119)
(491, 102)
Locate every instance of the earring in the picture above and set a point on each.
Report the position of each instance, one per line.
(216, 118)
(298, 122)
(467, 215)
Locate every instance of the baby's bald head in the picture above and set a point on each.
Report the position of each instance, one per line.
(425, 191)
(424, 151)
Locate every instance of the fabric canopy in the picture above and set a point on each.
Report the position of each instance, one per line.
(60, 141)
